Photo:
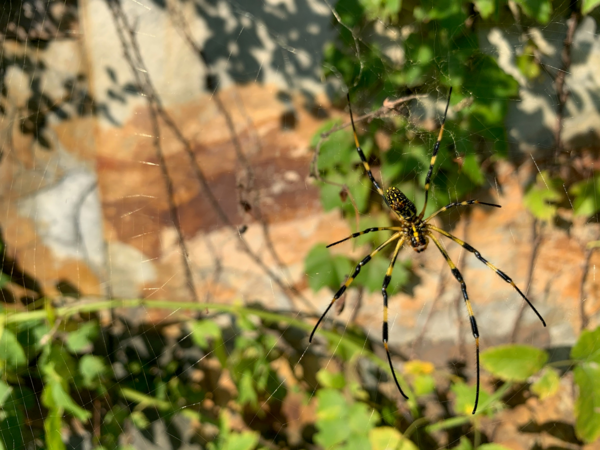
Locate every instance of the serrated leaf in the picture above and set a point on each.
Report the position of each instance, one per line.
(587, 347)
(547, 385)
(10, 350)
(485, 7)
(513, 362)
(82, 338)
(203, 330)
(331, 380)
(588, 5)
(587, 406)
(325, 270)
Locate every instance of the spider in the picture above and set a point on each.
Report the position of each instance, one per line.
(416, 231)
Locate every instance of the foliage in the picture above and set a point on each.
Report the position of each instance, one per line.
(241, 354)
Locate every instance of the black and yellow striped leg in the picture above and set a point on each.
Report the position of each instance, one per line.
(386, 282)
(436, 148)
(465, 203)
(362, 156)
(351, 278)
(490, 265)
(463, 286)
(360, 233)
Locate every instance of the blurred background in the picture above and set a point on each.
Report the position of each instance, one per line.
(171, 172)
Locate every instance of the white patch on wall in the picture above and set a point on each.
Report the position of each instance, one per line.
(67, 217)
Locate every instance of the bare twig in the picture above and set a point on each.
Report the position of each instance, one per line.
(586, 268)
(135, 61)
(152, 95)
(537, 239)
(387, 107)
(562, 91)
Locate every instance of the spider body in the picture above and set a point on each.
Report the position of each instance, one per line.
(400, 204)
(417, 232)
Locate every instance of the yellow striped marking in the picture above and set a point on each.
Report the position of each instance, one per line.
(385, 313)
(441, 130)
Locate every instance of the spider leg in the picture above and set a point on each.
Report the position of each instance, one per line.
(360, 233)
(490, 265)
(463, 286)
(436, 147)
(351, 278)
(465, 203)
(386, 282)
(362, 156)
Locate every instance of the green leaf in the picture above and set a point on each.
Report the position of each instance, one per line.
(465, 399)
(242, 441)
(588, 5)
(540, 10)
(55, 395)
(423, 385)
(472, 170)
(10, 350)
(332, 418)
(4, 279)
(92, 368)
(53, 429)
(331, 380)
(547, 385)
(246, 389)
(527, 63)
(539, 196)
(388, 438)
(492, 447)
(140, 420)
(325, 270)
(5, 391)
(513, 362)
(485, 7)
(587, 347)
(587, 406)
(204, 330)
(464, 444)
(586, 194)
(81, 339)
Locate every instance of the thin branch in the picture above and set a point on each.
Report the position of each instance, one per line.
(586, 268)
(387, 107)
(562, 91)
(144, 83)
(537, 239)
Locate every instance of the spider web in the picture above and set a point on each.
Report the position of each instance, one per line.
(162, 150)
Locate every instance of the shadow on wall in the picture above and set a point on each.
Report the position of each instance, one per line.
(267, 41)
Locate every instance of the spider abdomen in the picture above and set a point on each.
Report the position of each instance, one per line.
(400, 203)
